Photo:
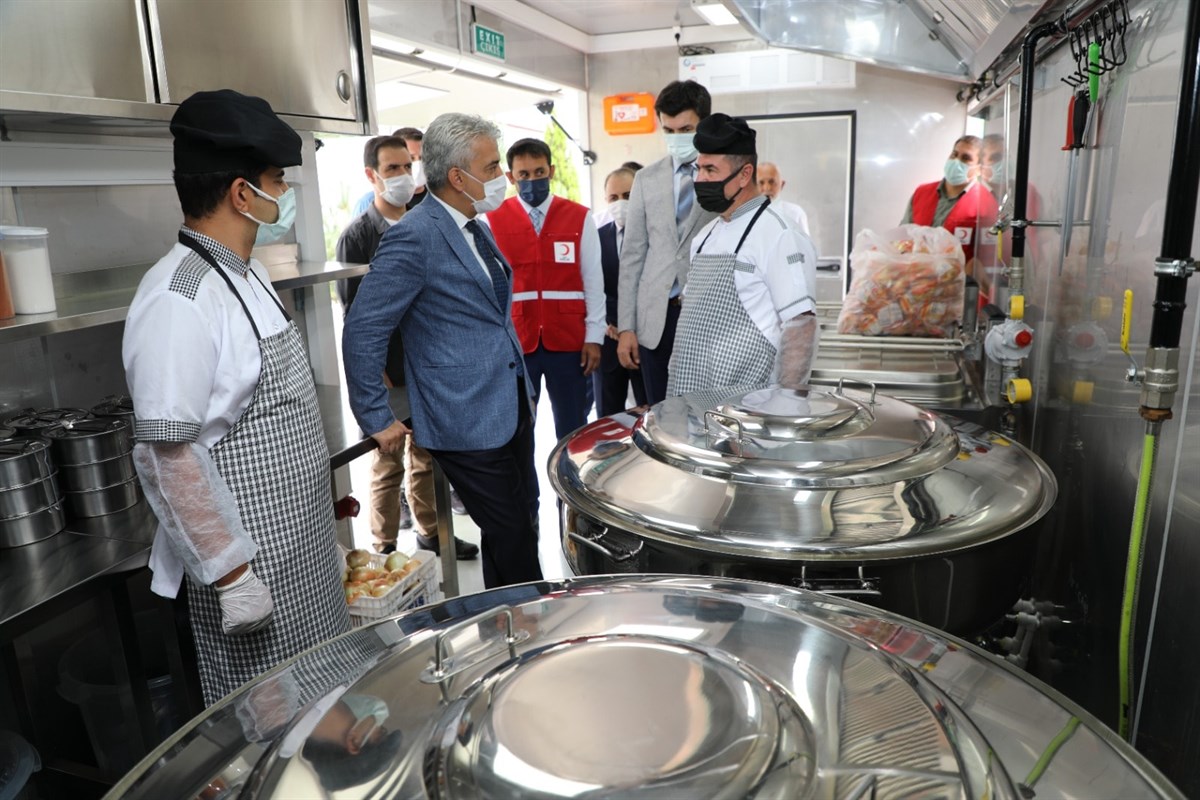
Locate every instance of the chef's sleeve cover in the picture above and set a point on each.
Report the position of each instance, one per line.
(195, 508)
(798, 349)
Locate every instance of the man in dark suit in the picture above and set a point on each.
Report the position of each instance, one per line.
(611, 381)
(438, 271)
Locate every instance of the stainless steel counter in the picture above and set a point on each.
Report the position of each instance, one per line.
(42, 578)
(98, 297)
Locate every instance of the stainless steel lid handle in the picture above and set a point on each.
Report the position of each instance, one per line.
(602, 550)
(444, 666)
(874, 388)
(720, 421)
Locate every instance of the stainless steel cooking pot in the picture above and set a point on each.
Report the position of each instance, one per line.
(89, 441)
(23, 461)
(105, 500)
(19, 501)
(86, 477)
(118, 406)
(30, 528)
(659, 687)
(844, 491)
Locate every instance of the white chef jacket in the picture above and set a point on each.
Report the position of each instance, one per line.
(191, 358)
(591, 270)
(776, 277)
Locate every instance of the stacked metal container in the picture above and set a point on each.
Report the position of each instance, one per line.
(95, 465)
(31, 506)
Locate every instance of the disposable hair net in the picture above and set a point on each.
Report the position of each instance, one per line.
(195, 508)
(798, 349)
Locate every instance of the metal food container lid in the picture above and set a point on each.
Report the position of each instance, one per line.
(114, 406)
(36, 420)
(651, 687)
(798, 475)
(90, 428)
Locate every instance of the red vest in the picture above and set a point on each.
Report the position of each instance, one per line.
(548, 303)
(964, 219)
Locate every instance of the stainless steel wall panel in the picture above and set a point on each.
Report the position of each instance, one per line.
(1084, 418)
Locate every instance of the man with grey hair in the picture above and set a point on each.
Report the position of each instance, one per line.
(440, 274)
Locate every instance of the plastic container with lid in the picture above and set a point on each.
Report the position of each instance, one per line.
(27, 263)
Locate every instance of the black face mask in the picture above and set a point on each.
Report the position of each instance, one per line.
(711, 194)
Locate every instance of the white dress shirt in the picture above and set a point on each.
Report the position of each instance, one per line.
(776, 277)
(460, 220)
(591, 270)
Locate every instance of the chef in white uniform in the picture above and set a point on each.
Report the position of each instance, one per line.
(230, 448)
(748, 315)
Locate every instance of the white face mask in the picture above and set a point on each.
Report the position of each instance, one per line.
(418, 173)
(619, 210)
(398, 190)
(681, 146)
(493, 193)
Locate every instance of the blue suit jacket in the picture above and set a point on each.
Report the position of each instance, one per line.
(461, 352)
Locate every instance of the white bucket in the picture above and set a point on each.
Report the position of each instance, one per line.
(27, 259)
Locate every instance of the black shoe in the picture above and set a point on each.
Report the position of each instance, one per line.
(456, 505)
(406, 520)
(463, 551)
(385, 548)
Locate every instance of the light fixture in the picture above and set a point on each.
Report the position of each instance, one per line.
(396, 93)
(714, 13)
(393, 45)
(456, 61)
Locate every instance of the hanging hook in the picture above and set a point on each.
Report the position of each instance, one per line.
(1079, 51)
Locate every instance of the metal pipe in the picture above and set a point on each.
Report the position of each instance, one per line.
(1182, 186)
(1024, 134)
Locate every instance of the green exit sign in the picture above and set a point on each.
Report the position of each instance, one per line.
(488, 42)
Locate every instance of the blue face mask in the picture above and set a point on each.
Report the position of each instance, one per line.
(535, 191)
(273, 231)
(956, 172)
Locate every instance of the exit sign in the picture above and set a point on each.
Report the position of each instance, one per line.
(488, 42)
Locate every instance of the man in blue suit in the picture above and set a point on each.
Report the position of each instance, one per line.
(439, 273)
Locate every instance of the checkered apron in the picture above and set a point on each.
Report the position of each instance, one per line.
(717, 345)
(276, 464)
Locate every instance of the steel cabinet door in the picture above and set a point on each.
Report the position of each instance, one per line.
(80, 49)
(296, 54)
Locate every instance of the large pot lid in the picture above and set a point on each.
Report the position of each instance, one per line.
(654, 687)
(796, 475)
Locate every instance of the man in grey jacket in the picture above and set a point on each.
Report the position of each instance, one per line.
(662, 219)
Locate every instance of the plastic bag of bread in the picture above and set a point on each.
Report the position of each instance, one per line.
(906, 282)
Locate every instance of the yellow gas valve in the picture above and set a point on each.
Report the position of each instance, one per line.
(1019, 390)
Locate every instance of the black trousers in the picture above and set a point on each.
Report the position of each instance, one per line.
(611, 382)
(499, 489)
(655, 362)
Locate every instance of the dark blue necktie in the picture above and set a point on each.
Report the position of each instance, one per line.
(499, 278)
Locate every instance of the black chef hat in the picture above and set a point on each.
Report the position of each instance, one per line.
(721, 134)
(225, 131)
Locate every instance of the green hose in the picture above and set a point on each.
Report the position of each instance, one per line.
(1133, 572)
(1050, 752)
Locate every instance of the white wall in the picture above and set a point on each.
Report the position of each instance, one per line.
(907, 125)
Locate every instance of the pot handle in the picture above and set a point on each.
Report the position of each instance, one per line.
(840, 587)
(719, 420)
(444, 665)
(602, 550)
(874, 388)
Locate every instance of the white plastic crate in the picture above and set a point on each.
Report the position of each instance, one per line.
(418, 588)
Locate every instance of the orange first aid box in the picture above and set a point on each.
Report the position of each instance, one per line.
(629, 113)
